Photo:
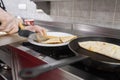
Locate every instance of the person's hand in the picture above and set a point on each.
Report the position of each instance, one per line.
(37, 29)
(9, 23)
(12, 27)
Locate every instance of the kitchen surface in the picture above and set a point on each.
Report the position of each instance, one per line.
(22, 54)
(98, 19)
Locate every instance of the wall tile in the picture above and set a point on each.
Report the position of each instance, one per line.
(116, 25)
(82, 8)
(103, 10)
(96, 12)
(54, 9)
(117, 14)
(65, 8)
(108, 24)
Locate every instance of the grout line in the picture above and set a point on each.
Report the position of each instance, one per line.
(58, 10)
(72, 28)
(72, 10)
(114, 14)
(91, 7)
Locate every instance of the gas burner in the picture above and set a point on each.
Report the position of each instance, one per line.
(54, 52)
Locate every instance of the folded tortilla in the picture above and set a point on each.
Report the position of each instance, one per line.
(104, 48)
(52, 41)
(67, 38)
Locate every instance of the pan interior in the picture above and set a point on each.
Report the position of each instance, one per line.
(73, 45)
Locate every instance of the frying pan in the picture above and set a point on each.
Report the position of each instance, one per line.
(97, 60)
(74, 46)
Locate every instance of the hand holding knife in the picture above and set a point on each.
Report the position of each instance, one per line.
(40, 35)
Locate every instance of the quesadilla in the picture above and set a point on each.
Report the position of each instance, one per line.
(55, 39)
(67, 38)
(104, 48)
(52, 41)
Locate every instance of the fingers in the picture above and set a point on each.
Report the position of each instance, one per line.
(40, 30)
(7, 20)
(13, 30)
(10, 28)
(36, 29)
(44, 31)
(2, 28)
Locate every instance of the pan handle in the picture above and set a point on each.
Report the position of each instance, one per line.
(35, 71)
(25, 33)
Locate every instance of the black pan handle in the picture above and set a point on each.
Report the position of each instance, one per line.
(25, 33)
(35, 71)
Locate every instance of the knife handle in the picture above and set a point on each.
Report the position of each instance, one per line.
(35, 71)
(25, 33)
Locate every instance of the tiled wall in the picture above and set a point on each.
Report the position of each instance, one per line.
(105, 13)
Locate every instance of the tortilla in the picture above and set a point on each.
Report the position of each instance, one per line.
(56, 40)
(67, 38)
(52, 41)
(104, 48)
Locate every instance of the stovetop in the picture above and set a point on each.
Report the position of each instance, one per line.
(54, 52)
(63, 52)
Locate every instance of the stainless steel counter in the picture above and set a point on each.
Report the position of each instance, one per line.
(80, 29)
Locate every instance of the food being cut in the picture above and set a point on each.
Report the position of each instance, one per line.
(104, 48)
(58, 40)
(52, 41)
(67, 38)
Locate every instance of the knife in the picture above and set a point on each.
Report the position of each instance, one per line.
(36, 71)
(26, 33)
(22, 32)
